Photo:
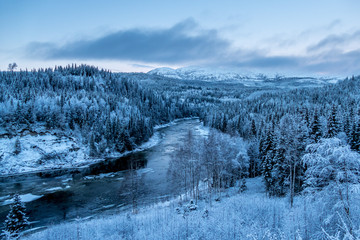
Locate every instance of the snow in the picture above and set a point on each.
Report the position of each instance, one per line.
(247, 215)
(40, 152)
(100, 176)
(54, 189)
(202, 130)
(24, 198)
(172, 123)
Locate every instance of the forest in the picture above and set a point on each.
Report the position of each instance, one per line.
(303, 142)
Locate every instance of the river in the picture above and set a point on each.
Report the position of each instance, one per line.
(104, 188)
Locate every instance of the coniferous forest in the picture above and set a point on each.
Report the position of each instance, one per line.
(290, 155)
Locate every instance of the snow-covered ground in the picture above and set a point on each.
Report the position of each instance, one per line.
(248, 215)
(40, 152)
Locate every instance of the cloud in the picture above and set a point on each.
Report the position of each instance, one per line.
(335, 62)
(187, 44)
(335, 41)
(181, 43)
(272, 62)
(326, 63)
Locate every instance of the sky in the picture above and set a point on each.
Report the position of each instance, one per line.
(285, 36)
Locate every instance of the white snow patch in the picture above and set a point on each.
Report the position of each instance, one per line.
(54, 189)
(202, 130)
(24, 198)
(40, 152)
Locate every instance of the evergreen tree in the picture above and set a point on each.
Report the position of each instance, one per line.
(348, 127)
(253, 131)
(268, 159)
(280, 171)
(332, 124)
(315, 133)
(16, 220)
(355, 138)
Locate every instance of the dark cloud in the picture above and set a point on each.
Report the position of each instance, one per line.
(142, 65)
(335, 41)
(185, 43)
(181, 43)
(327, 63)
(272, 62)
(335, 62)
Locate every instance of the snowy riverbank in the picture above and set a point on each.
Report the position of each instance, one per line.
(48, 151)
(247, 215)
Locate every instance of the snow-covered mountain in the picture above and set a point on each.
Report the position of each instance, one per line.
(247, 78)
(207, 74)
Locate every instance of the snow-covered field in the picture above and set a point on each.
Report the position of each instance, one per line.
(40, 152)
(248, 215)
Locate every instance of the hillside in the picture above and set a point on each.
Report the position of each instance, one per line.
(67, 116)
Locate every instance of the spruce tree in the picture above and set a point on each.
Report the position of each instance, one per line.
(315, 133)
(16, 220)
(355, 138)
(253, 131)
(280, 171)
(267, 159)
(348, 128)
(333, 123)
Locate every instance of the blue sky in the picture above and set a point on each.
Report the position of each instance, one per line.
(306, 37)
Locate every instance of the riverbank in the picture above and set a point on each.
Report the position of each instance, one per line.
(247, 215)
(56, 154)
(104, 187)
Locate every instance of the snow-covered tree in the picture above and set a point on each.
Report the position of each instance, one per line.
(331, 162)
(355, 137)
(315, 132)
(333, 124)
(267, 154)
(16, 220)
(333, 167)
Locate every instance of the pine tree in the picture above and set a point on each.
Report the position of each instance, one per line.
(267, 159)
(16, 220)
(280, 171)
(315, 133)
(253, 131)
(355, 138)
(333, 123)
(348, 127)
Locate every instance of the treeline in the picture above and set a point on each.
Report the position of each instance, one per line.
(107, 111)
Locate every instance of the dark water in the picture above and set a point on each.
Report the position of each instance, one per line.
(105, 187)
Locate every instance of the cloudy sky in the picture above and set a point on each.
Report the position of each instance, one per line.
(319, 37)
